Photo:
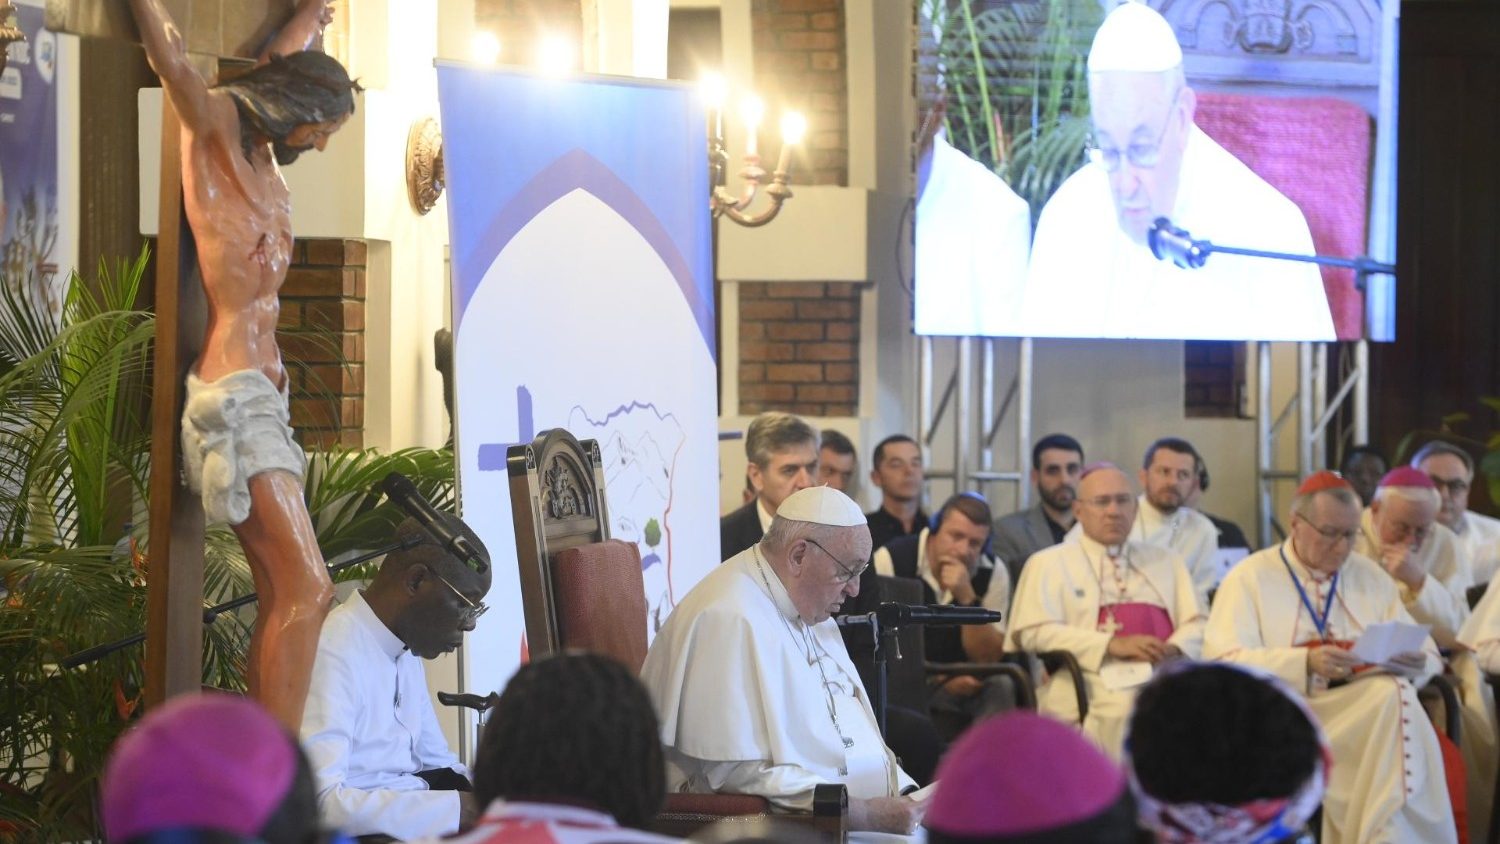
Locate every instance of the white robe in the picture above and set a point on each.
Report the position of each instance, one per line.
(1386, 783)
(735, 676)
(1479, 536)
(1057, 606)
(973, 236)
(1088, 279)
(368, 727)
(1187, 532)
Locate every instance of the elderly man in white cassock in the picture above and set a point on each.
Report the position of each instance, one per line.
(1121, 606)
(1295, 610)
(754, 687)
(1092, 273)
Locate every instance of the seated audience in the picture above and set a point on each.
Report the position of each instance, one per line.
(1056, 462)
(570, 756)
(1120, 605)
(897, 472)
(1452, 472)
(950, 561)
(1364, 466)
(783, 454)
(754, 688)
(380, 759)
(1295, 610)
(1020, 778)
(1163, 516)
(1230, 535)
(836, 461)
(209, 768)
(1223, 754)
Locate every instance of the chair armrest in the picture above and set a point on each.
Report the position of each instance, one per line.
(1025, 692)
(1452, 712)
(1055, 661)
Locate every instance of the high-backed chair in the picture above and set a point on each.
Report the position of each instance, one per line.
(581, 590)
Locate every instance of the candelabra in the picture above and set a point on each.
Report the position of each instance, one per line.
(721, 201)
(9, 33)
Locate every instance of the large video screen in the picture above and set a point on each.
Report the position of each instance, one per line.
(1089, 203)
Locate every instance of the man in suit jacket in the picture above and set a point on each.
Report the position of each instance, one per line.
(783, 454)
(1056, 463)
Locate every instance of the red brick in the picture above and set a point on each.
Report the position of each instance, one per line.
(325, 253)
(794, 372)
(354, 283)
(827, 61)
(312, 413)
(752, 331)
(317, 439)
(810, 40)
(290, 316)
(752, 290)
(769, 309)
(752, 373)
(809, 5)
(335, 378)
(825, 392)
(795, 290)
(784, 22)
(795, 330)
(842, 289)
(353, 437)
(825, 20)
(355, 253)
(758, 351)
(826, 310)
(336, 314)
(827, 351)
(313, 281)
(774, 61)
(767, 392)
(843, 331)
(352, 412)
(839, 373)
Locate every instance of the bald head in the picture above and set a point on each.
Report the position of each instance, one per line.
(1105, 505)
(426, 596)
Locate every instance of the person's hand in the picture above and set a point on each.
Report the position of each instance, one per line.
(468, 810)
(1409, 664)
(1332, 662)
(895, 815)
(953, 576)
(1397, 559)
(963, 685)
(1139, 647)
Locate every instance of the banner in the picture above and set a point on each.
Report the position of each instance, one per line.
(28, 158)
(582, 298)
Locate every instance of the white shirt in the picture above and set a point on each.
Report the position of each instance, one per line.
(1479, 536)
(369, 726)
(752, 700)
(973, 237)
(1089, 279)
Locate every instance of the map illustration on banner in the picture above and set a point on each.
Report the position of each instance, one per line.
(582, 299)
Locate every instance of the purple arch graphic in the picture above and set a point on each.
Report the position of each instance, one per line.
(574, 170)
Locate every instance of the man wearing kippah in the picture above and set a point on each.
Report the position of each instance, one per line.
(1092, 273)
(1295, 610)
(752, 683)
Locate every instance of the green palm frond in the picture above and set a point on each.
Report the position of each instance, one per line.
(345, 501)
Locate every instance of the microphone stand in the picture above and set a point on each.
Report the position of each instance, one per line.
(211, 614)
(1169, 243)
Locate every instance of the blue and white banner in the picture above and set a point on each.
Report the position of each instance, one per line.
(582, 298)
(28, 159)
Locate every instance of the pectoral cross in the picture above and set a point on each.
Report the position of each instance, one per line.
(216, 31)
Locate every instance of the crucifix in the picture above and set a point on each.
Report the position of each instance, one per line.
(219, 386)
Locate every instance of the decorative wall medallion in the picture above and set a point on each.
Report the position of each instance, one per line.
(424, 164)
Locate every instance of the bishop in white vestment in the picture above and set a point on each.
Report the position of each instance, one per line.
(1294, 610)
(1118, 605)
(752, 683)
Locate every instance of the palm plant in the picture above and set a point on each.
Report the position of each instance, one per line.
(1017, 88)
(74, 447)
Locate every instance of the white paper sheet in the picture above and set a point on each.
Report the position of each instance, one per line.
(1382, 641)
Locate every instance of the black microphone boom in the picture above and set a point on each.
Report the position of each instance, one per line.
(897, 615)
(404, 494)
(1169, 243)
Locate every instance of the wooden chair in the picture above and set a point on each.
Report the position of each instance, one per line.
(581, 590)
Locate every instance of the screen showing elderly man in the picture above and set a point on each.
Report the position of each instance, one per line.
(1295, 610)
(1121, 606)
(1092, 272)
(753, 685)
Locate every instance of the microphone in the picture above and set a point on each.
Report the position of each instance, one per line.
(403, 493)
(897, 615)
(1169, 243)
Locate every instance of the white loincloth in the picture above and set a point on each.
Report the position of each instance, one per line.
(233, 429)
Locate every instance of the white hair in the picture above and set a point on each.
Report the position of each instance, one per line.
(1414, 494)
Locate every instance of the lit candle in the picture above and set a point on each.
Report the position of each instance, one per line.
(715, 91)
(752, 110)
(793, 128)
(485, 47)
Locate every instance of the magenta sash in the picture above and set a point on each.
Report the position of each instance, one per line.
(1136, 619)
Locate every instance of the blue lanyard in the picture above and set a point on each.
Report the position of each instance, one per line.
(1333, 588)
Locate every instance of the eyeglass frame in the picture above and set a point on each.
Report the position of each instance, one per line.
(473, 611)
(847, 575)
(1122, 500)
(1332, 538)
(1152, 156)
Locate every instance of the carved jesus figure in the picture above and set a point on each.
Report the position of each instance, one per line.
(237, 441)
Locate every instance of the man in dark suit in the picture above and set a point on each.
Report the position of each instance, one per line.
(783, 454)
(1056, 463)
(897, 472)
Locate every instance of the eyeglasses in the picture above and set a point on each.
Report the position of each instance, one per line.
(472, 611)
(1103, 501)
(1456, 486)
(1332, 536)
(1142, 155)
(846, 573)
(1405, 531)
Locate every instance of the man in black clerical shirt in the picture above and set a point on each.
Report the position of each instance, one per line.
(897, 472)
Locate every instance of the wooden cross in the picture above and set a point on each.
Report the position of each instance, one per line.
(216, 31)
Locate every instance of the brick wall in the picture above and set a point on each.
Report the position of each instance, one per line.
(322, 337)
(800, 63)
(1214, 375)
(799, 348)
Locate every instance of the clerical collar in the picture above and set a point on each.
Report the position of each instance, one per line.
(776, 590)
(1297, 565)
(388, 641)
